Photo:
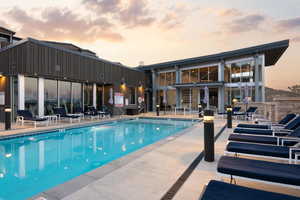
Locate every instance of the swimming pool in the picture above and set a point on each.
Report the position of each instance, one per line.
(32, 164)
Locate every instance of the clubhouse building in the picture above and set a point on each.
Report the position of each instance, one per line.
(39, 75)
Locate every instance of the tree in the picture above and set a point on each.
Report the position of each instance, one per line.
(295, 89)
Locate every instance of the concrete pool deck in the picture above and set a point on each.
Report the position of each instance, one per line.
(150, 172)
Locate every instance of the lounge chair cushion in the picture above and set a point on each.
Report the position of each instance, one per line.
(293, 124)
(258, 126)
(258, 131)
(258, 149)
(217, 190)
(261, 170)
(257, 139)
(287, 118)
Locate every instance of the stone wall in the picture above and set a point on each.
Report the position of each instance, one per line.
(277, 109)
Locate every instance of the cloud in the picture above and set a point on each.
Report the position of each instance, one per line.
(103, 6)
(245, 23)
(288, 24)
(63, 24)
(296, 39)
(130, 13)
(175, 16)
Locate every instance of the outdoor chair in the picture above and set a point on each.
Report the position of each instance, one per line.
(217, 190)
(281, 123)
(288, 140)
(235, 110)
(263, 150)
(261, 171)
(248, 114)
(62, 114)
(26, 116)
(282, 131)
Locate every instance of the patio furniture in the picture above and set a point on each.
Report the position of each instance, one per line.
(62, 114)
(234, 111)
(217, 190)
(25, 116)
(261, 171)
(283, 131)
(263, 150)
(249, 113)
(288, 140)
(282, 122)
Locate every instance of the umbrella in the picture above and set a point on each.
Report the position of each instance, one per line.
(111, 101)
(246, 93)
(165, 98)
(206, 96)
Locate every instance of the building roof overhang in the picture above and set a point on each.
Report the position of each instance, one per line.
(272, 51)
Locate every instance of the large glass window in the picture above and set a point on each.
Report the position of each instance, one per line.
(31, 95)
(203, 74)
(185, 76)
(65, 95)
(76, 97)
(235, 73)
(99, 97)
(50, 96)
(88, 95)
(213, 74)
(194, 74)
(131, 95)
(162, 79)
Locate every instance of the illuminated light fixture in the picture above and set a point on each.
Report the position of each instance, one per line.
(199, 106)
(229, 109)
(1, 74)
(157, 106)
(234, 100)
(7, 110)
(208, 116)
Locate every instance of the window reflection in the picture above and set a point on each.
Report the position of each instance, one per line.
(31, 95)
(65, 95)
(88, 95)
(50, 96)
(76, 97)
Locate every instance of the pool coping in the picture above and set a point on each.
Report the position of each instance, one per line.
(65, 189)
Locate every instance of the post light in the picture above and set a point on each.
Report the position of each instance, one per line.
(7, 111)
(229, 116)
(200, 110)
(157, 110)
(209, 149)
(234, 101)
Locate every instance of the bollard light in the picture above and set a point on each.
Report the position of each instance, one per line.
(200, 110)
(229, 116)
(157, 109)
(7, 111)
(209, 149)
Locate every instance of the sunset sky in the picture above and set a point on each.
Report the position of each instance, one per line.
(130, 31)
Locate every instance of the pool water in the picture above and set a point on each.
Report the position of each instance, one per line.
(32, 164)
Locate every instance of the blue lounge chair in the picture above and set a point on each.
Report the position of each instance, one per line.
(282, 122)
(263, 150)
(26, 116)
(217, 190)
(258, 170)
(62, 114)
(290, 140)
(276, 132)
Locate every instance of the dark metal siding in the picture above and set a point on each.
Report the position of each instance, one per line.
(33, 59)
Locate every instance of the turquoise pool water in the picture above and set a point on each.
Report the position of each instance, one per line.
(32, 164)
